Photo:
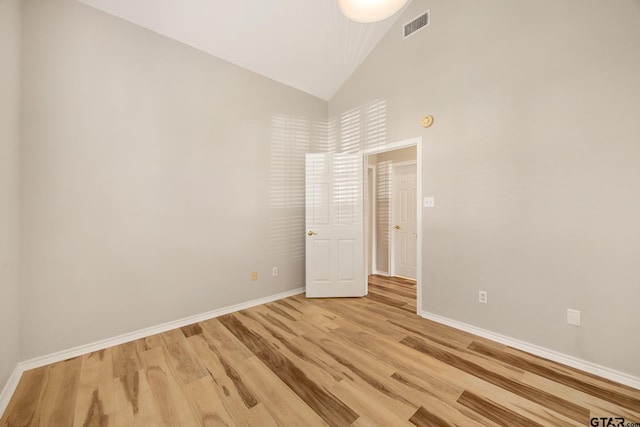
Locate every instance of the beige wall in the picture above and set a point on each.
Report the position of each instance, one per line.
(155, 178)
(146, 195)
(10, 49)
(533, 160)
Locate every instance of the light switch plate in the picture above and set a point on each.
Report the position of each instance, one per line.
(573, 317)
(429, 202)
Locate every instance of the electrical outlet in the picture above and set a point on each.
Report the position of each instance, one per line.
(429, 202)
(274, 271)
(573, 317)
(254, 276)
(482, 297)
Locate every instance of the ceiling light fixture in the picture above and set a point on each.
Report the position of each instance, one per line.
(366, 11)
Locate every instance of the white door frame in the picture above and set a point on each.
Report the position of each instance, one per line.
(417, 142)
(392, 235)
(372, 240)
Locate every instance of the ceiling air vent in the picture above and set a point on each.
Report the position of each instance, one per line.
(415, 25)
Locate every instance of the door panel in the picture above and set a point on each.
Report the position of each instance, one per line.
(322, 251)
(346, 255)
(321, 208)
(335, 244)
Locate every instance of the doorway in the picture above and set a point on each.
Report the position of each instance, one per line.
(390, 241)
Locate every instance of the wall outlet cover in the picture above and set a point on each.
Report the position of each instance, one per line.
(482, 297)
(430, 202)
(574, 317)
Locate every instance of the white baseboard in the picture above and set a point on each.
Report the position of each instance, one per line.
(59, 356)
(564, 359)
(142, 333)
(381, 273)
(9, 389)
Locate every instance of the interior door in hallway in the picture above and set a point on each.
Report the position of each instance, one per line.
(334, 226)
(404, 212)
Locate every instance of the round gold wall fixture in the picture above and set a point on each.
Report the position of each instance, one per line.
(426, 121)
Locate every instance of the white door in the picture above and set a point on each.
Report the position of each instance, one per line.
(404, 213)
(334, 228)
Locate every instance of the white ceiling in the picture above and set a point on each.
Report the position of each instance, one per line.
(306, 44)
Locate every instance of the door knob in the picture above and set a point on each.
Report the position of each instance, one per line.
(397, 227)
(310, 233)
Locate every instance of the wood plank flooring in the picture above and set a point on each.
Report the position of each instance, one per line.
(317, 362)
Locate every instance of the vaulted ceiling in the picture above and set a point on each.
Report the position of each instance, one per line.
(306, 44)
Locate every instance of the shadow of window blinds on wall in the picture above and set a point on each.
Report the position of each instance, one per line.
(294, 136)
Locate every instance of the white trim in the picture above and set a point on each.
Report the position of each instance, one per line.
(536, 350)
(419, 284)
(9, 388)
(404, 163)
(393, 146)
(142, 333)
(372, 241)
(59, 356)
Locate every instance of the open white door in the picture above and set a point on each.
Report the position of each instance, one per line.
(334, 227)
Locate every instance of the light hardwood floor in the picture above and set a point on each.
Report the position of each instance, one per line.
(298, 362)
